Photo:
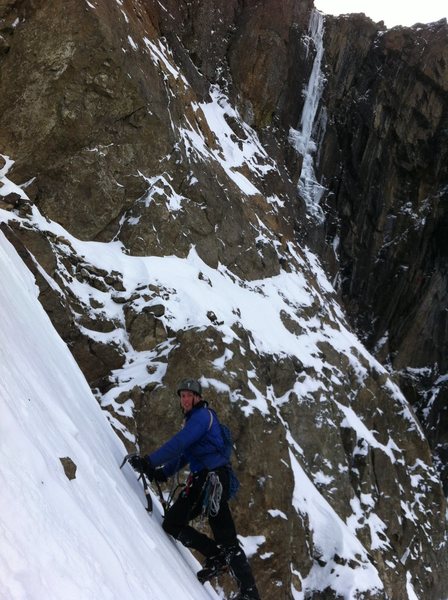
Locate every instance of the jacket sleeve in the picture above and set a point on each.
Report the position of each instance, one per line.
(174, 448)
(175, 465)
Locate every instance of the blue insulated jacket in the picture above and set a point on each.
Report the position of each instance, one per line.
(199, 443)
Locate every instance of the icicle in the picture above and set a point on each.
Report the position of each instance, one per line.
(309, 188)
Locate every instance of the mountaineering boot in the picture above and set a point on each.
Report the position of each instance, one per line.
(242, 572)
(213, 566)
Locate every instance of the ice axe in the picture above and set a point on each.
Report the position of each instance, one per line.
(143, 478)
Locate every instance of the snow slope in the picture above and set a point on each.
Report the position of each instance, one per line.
(85, 539)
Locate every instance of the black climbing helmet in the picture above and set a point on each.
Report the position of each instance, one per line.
(191, 385)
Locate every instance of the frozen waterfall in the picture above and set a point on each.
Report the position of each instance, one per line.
(303, 138)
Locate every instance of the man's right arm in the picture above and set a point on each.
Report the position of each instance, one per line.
(174, 448)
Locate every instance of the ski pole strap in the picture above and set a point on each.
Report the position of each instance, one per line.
(173, 492)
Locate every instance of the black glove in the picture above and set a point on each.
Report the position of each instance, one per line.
(142, 465)
(159, 475)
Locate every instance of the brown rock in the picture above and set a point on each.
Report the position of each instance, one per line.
(69, 467)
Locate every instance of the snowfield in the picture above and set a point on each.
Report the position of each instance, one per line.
(85, 539)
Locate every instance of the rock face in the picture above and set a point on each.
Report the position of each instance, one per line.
(159, 130)
(110, 106)
(384, 160)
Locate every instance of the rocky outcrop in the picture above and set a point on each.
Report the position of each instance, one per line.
(254, 50)
(99, 121)
(123, 126)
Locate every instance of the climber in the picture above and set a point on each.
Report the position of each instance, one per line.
(201, 444)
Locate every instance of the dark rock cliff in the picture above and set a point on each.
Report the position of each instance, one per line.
(384, 161)
(121, 119)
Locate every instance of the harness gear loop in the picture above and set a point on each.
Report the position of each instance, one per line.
(212, 495)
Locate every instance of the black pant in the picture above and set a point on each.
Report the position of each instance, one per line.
(188, 506)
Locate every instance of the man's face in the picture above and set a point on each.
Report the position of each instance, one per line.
(187, 400)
